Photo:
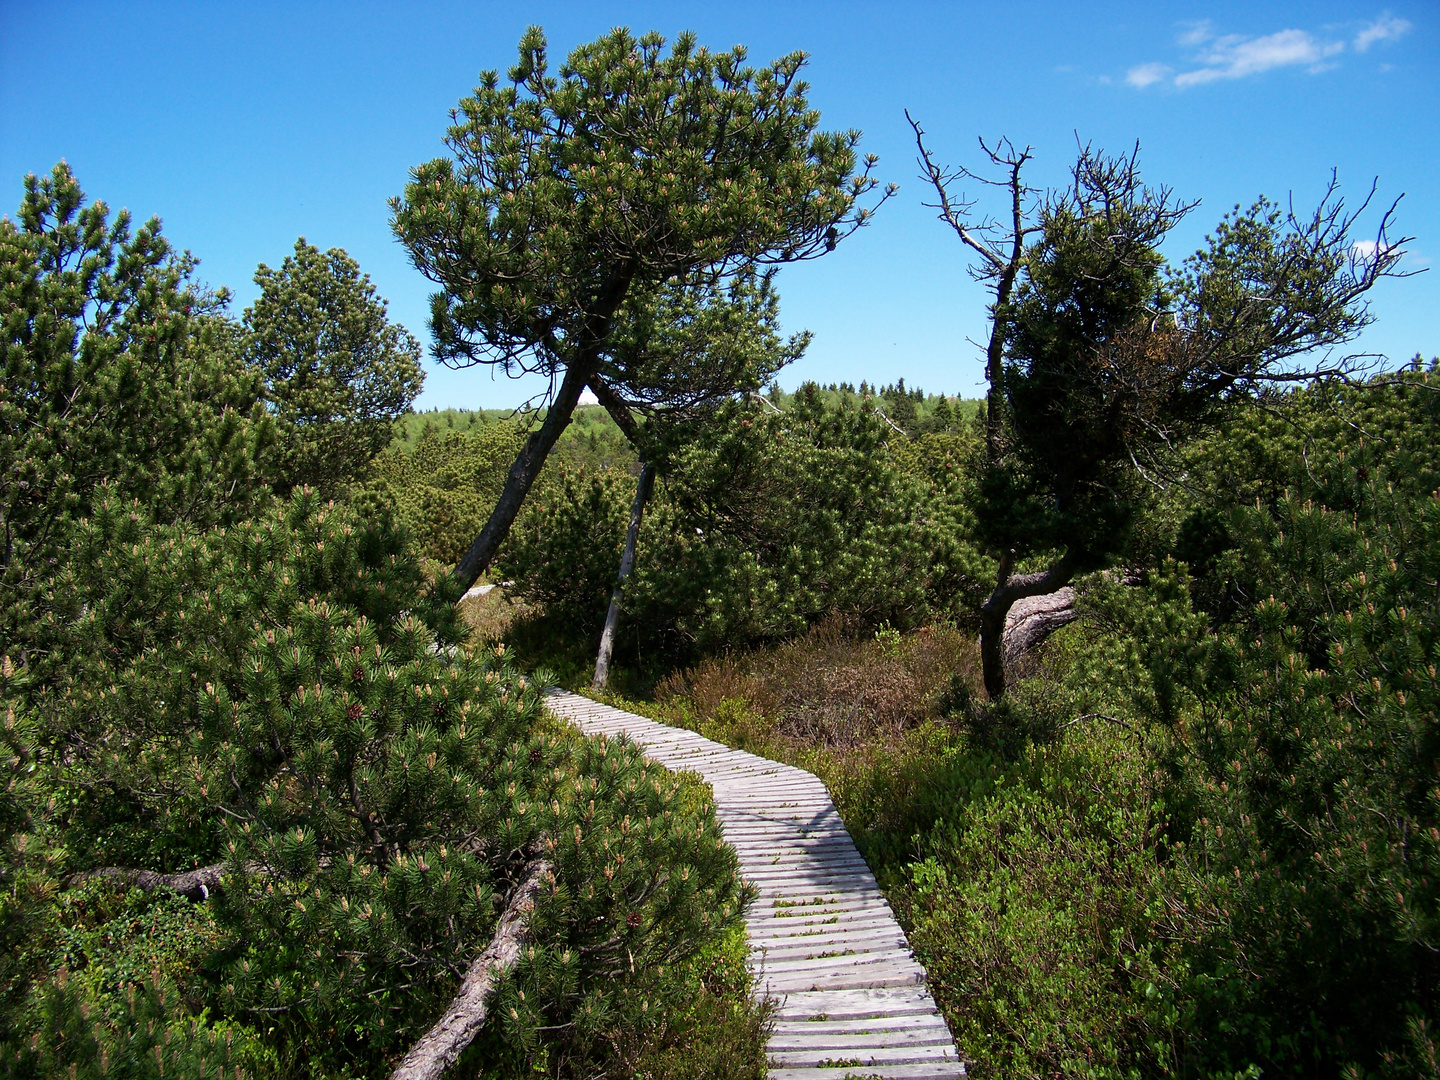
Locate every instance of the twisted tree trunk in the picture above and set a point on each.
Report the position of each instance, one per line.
(1034, 619)
(993, 615)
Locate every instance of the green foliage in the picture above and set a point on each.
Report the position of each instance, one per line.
(1299, 738)
(764, 525)
(715, 1034)
(566, 548)
(412, 425)
(1112, 359)
(1200, 838)
(1075, 386)
(443, 489)
(933, 413)
(1027, 885)
(118, 370)
(144, 1033)
(337, 372)
(1036, 905)
(442, 479)
(621, 173)
(287, 697)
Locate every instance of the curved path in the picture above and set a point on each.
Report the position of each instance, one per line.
(822, 937)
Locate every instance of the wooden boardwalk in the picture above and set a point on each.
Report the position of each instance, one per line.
(822, 937)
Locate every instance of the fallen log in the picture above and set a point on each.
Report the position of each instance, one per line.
(441, 1046)
(196, 884)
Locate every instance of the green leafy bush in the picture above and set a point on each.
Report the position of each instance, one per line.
(766, 523)
(443, 490)
(1035, 903)
(1299, 736)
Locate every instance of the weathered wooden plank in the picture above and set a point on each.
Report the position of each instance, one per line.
(842, 961)
(768, 921)
(868, 1026)
(786, 1042)
(791, 932)
(923, 1071)
(851, 870)
(813, 934)
(809, 911)
(874, 977)
(878, 940)
(819, 874)
(855, 1004)
(886, 1055)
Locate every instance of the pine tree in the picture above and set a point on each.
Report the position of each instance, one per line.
(337, 372)
(360, 787)
(118, 371)
(1102, 359)
(588, 204)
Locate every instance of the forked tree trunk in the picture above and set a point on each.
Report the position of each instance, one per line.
(643, 488)
(441, 1046)
(522, 476)
(1008, 589)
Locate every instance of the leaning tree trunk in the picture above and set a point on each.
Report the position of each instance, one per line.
(442, 1045)
(590, 342)
(643, 487)
(522, 477)
(1008, 589)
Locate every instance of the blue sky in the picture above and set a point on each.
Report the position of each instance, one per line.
(244, 126)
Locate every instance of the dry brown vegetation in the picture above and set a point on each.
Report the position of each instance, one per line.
(832, 688)
(491, 616)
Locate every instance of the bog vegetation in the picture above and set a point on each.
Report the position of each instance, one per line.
(1123, 678)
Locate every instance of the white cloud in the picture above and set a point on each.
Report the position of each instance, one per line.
(1147, 75)
(1235, 57)
(1199, 33)
(1385, 28)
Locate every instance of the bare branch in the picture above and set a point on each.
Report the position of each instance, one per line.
(441, 1046)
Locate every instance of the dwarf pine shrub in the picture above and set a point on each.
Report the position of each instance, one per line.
(288, 698)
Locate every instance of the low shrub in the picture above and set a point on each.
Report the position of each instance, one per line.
(1025, 873)
(763, 525)
(1033, 902)
(289, 698)
(833, 686)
